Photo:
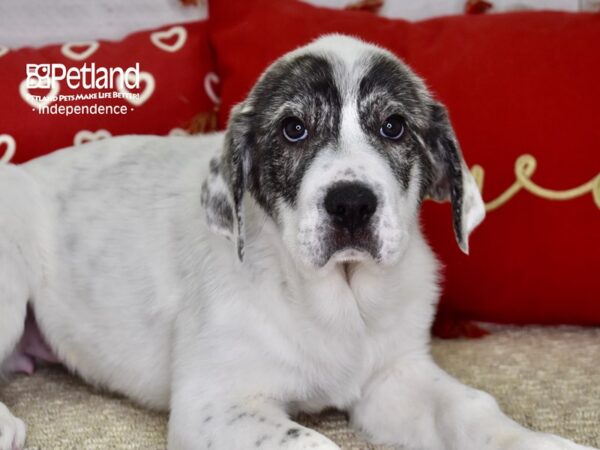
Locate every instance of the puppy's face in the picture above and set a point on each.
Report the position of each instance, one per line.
(339, 142)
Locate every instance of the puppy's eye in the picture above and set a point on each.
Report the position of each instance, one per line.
(294, 129)
(393, 127)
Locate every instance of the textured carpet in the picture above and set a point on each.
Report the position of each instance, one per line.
(545, 378)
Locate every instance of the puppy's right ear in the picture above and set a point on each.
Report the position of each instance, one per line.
(451, 179)
(223, 191)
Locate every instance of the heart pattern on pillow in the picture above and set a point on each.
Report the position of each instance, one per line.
(47, 97)
(8, 146)
(160, 38)
(174, 61)
(84, 136)
(211, 80)
(73, 50)
(146, 91)
(178, 132)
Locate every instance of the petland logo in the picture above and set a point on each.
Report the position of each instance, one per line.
(87, 77)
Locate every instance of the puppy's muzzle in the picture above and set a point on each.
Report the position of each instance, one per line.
(350, 206)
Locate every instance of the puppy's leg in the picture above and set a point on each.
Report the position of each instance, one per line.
(416, 405)
(253, 422)
(12, 430)
(16, 275)
(13, 308)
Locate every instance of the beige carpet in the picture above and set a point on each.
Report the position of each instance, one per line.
(545, 378)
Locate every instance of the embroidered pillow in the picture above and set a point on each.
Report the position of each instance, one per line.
(152, 82)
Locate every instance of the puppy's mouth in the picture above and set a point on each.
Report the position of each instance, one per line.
(350, 255)
(351, 246)
(344, 248)
(334, 246)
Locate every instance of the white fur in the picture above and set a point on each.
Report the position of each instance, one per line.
(131, 289)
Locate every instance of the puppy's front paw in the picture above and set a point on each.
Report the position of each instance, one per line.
(12, 430)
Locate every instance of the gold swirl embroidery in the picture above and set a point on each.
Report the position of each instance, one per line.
(525, 166)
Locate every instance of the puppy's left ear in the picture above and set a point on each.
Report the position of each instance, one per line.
(451, 179)
(224, 188)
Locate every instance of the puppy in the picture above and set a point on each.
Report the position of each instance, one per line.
(237, 279)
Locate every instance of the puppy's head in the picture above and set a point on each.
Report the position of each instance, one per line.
(339, 142)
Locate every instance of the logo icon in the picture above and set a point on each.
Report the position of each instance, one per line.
(38, 76)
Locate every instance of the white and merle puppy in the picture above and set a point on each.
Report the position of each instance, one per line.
(238, 279)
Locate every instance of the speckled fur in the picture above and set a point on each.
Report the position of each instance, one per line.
(201, 275)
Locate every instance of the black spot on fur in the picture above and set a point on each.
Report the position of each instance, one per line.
(293, 433)
(237, 418)
(261, 440)
(221, 205)
(219, 213)
(214, 166)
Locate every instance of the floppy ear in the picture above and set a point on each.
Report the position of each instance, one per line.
(451, 179)
(223, 190)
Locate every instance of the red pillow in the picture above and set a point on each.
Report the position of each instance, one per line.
(515, 84)
(175, 66)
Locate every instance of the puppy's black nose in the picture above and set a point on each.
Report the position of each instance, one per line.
(350, 205)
